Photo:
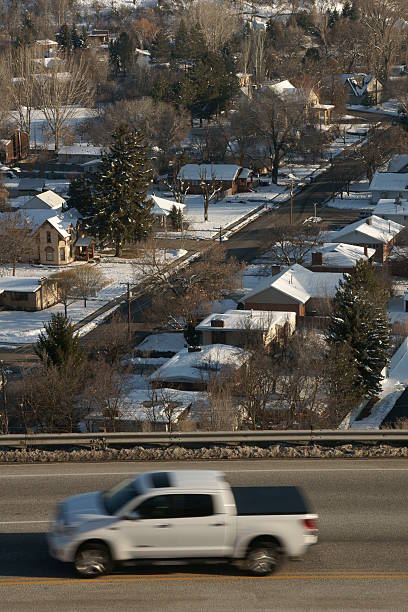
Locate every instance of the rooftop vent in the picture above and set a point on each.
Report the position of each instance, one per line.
(217, 323)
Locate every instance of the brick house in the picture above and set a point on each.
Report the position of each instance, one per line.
(337, 257)
(14, 148)
(230, 177)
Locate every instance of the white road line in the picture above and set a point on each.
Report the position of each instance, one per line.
(23, 522)
(238, 471)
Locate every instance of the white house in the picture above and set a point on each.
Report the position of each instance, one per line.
(392, 209)
(388, 185)
(235, 327)
(372, 232)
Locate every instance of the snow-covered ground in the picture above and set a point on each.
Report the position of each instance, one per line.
(24, 327)
(351, 202)
(386, 108)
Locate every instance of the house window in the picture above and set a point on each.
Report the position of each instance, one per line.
(62, 254)
(48, 237)
(49, 254)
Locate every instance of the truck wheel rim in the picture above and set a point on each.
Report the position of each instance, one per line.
(261, 561)
(91, 563)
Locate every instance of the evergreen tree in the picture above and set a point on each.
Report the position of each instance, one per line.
(359, 320)
(76, 40)
(58, 344)
(63, 38)
(191, 335)
(120, 190)
(84, 38)
(160, 51)
(27, 33)
(347, 10)
(176, 217)
(121, 54)
(80, 196)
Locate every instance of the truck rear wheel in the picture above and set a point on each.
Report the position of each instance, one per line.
(262, 558)
(93, 559)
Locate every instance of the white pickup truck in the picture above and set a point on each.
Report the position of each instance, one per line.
(182, 515)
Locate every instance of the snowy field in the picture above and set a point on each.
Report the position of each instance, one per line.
(23, 327)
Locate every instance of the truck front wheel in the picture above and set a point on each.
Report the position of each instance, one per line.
(262, 558)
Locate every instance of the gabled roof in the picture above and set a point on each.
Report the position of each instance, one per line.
(398, 162)
(342, 255)
(220, 172)
(251, 320)
(389, 181)
(199, 366)
(24, 284)
(373, 228)
(164, 207)
(300, 284)
(357, 82)
(46, 199)
(388, 206)
(283, 88)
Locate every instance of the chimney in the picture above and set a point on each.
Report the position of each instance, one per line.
(369, 220)
(217, 323)
(366, 250)
(317, 258)
(275, 269)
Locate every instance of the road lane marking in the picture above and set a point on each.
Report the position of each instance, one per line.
(238, 471)
(23, 522)
(197, 578)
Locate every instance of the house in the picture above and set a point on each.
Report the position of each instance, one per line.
(14, 148)
(362, 88)
(79, 153)
(337, 257)
(191, 369)
(27, 293)
(392, 209)
(237, 327)
(372, 233)
(398, 163)
(307, 95)
(226, 176)
(98, 37)
(388, 185)
(46, 47)
(47, 200)
(294, 289)
(162, 208)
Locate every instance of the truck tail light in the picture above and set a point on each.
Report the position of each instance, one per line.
(310, 524)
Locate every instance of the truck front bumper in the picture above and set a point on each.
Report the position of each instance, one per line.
(61, 547)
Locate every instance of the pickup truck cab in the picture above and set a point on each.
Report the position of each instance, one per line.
(182, 515)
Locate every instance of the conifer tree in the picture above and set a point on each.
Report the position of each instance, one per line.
(80, 196)
(359, 320)
(119, 193)
(58, 344)
(63, 38)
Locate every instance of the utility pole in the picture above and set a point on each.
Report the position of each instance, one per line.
(128, 311)
(220, 233)
(4, 415)
(315, 206)
(291, 202)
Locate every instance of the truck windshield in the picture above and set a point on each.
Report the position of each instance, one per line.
(116, 498)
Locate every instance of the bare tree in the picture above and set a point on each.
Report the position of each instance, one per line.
(220, 414)
(210, 188)
(66, 281)
(16, 239)
(88, 280)
(60, 91)
(293, 243)
(19, 78)
(218, 21)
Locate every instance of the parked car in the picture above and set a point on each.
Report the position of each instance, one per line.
(188, 515)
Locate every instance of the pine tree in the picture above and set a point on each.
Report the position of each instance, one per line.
(63, 38)
(84, 38)
(58, 344)
(191, 335)
(76, 40)
(120, 189)
(80, 196)
(359, 320)
(160, 51)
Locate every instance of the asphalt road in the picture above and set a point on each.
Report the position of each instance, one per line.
(360, 563)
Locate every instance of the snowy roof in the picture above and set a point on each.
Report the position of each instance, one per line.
(260, 320)
(48, 42)
(373, 228)
(389, 181)
(35, 218)
(283, 88)
(20, 285)
(163, 206)
(45, 199)
(398, 162)
(245, 173)
(220, 172)
(164, 343)
(342, 255)
(199, 366)
(358, 82)
(26, 184)
(83, 241)
(4, 142)
(388, 206)
(81, 149)
(301, 284)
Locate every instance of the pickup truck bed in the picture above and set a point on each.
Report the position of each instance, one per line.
(252, 501)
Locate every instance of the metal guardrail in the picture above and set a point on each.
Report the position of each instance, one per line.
(203, 438)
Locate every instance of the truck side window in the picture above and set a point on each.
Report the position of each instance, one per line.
(193, 505)
(158, 507)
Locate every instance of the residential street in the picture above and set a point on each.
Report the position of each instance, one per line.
(360, 562)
